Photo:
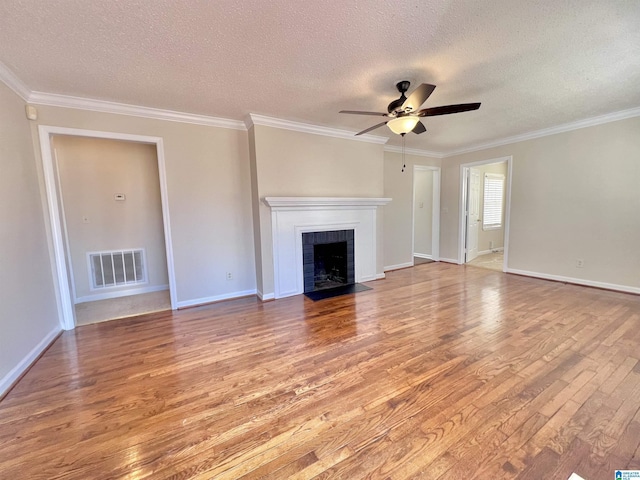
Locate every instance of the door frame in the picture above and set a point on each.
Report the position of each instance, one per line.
(435, 215)
(468, 171)
(66, 312)
(462, 224)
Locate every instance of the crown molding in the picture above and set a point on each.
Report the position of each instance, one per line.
(67, 101)
(13, 82)
(414, 151)
(254, 119)
(566, 127)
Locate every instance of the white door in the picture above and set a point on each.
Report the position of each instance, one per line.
(473, 213)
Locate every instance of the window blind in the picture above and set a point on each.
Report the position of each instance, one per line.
(493, 194)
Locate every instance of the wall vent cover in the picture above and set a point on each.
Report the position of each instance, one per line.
(116, 268)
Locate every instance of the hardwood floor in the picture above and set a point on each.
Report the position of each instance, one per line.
(440, 372)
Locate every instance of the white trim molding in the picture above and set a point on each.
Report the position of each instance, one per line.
(449, 260)
(566, 127)
(215, 298)
(67, 101)
(263, 297)
(12, 81)
(575, 281)
(14, 374)
(297, 203)
(493, 250)
(254, 119)
(64, 300)
(390, 268)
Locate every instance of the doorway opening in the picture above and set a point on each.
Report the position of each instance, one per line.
(426, 214)
(99, 265)
(485, 188)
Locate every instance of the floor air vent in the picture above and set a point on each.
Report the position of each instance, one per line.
(116, 268)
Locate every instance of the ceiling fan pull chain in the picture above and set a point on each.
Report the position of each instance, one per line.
(404, 163)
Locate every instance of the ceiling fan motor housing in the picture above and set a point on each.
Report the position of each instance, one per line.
(402, 87)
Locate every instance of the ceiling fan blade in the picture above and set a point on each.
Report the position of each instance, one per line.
(418, 97)
(356, 112)
(419, 128)
(371, 128)
(447, 109)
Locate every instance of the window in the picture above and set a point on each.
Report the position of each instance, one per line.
(493, 193)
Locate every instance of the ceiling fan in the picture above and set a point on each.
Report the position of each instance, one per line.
(403, 114)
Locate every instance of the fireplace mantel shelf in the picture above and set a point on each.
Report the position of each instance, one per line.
(277, 203)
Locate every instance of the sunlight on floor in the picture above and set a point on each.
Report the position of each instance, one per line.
(492, 261)
(102, 310)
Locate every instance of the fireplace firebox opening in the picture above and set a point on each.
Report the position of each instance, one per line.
(328, 259)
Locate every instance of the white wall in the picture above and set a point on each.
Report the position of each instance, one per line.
(423, 212)
(398, 214)
(91, 172)
(296, 164)
(209, 196)
(29, 319)
(574, 195)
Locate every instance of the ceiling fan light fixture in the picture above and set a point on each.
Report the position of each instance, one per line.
(400, 125)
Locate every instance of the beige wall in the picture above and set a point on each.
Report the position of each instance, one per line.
(485, 237)
(399, 213)
(209, 196)
(423, 208)
(29, 308)
(290, 163)
(574, 195)
(91, 171)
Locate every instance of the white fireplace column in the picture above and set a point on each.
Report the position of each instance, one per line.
(293, 216)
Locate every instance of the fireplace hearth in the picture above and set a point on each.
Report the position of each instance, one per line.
(328, 259)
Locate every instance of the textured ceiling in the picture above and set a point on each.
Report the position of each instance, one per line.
(532, 64)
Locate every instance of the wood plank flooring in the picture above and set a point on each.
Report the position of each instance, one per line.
(440, 372)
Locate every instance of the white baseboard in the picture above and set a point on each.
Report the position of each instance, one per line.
(398, 266)
(449, 260)
(264, 297)
(577, 281)
(423, 255)
(9, 379)
(215, 298)
(380, 276)
(120, 293)
(491, 250)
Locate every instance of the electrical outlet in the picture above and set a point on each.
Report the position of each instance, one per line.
(229, 276)
(580, 263)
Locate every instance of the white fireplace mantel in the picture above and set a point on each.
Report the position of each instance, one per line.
(285, 203)
(293, 216)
